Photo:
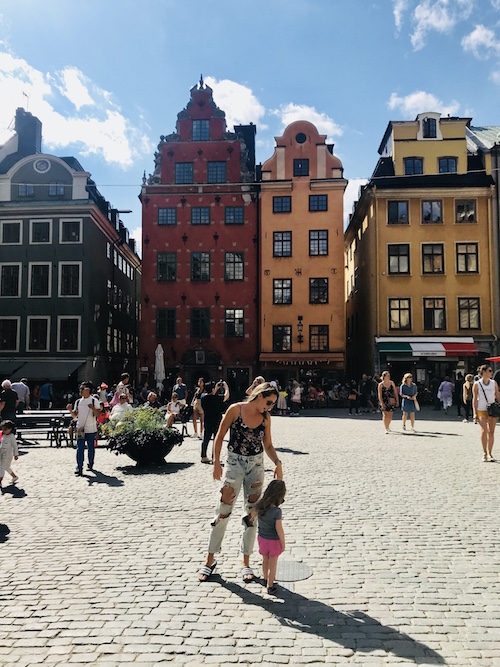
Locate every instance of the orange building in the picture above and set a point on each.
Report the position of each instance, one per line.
(302, 320)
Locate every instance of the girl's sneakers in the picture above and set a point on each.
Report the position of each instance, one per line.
(272, 590)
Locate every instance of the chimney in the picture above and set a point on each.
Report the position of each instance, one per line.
(29, 132)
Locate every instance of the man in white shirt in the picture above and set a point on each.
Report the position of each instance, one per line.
(86, 410)
(23, 394)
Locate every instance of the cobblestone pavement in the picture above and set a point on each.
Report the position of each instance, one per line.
(401, 532)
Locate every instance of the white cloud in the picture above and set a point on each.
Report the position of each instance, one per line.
(289, 113)
(237, 101)
(136, 234)
(438, 15)
(495, 4)
(481, 42)
(400, 6)
(105, 131)
(351, 196)
(420, 102)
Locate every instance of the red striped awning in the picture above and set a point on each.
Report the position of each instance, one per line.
(460, 349)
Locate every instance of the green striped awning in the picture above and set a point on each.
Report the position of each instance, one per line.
(394, 347)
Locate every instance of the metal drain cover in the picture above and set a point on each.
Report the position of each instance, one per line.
(291, 570)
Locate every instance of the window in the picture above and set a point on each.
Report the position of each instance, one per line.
(71, 231)
(431, 212)
(282, 291)
(26, 190)
(434, 314)
(201, 130)
(167, 216)
(318, 290)
(183, 172)
(200, 266)
(38, 334)
(282, 338)
(318, 242)
(216, 172)
(39, 279)
(233, 266)
(10, 279)
(9, 334)
(432, 258)
(465, 210)
(233, 215)
(69, 279)
(68, 336)
(318, 338)
(200, 322)
(200, 215)
(40, 231)
(429, 128)
(398, 258)
(467, 258)
(165, 323)
(469, 314)
(318, 202)
(282, 204)
(282, 244)
(397, 213)
(301, 167)
(56, 189)
(11, 232)
(166, 266)
(447, 165)
(399, 314)
(234, 323)
(413, 166)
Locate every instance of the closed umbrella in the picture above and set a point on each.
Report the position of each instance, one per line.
(159, 367)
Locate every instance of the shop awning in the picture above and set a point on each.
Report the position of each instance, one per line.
(427, 346)
(428, 350)
(48, 370)
(8, 368)
(394, 347)
(306, 359)
(460, 349)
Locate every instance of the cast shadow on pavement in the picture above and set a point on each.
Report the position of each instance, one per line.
(101, 478)
(353, 630)
(287, 450)
(166, 469)
(14, 491)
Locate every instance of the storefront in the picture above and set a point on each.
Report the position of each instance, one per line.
(321, 369)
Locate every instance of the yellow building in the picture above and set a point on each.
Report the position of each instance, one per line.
(302, 323)
(419, 255)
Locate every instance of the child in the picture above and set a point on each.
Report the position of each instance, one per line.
(8, 450)
(271, 537)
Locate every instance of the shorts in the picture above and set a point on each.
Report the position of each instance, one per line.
(269, 547)
(481, 414)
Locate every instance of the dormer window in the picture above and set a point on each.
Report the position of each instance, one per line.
(429, 130)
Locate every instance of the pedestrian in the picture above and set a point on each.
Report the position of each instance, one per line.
(457, 393)
(122, 388)
(213, 404)
(181, 390)
(8, 402)
(86, 410)
(143, 396)
(352, 397)
(296, 399)
(388, 399)
(408, 392)
(197, 409)
(152, 401)
(281, 405)
(250, 425)
(122, 408)
(102, 391)
(485, 392)
(434, 384)
(467, 395)
(258, 380)
(173, 410)
(23, 394)
(46, 395)
(445, 393)
(8, 450)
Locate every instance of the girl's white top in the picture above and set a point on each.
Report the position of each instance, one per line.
(489, 390)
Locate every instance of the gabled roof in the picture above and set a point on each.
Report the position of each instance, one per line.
(485, 137)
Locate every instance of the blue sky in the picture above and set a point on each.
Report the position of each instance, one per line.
(108, 78)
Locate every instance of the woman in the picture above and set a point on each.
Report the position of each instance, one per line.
(250, 436)
(173, 409)
(408, 392)
(467, 395)
(296, 399)
(446, 393)
(197, 409)
(353, 396)
(484, 392)
(387, 398)
(258, 380)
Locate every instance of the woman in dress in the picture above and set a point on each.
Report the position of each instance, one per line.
(408, 392)
(173, 409)
(388, 399)
(197, 409)
(446, 392)
(467, 395)
(484, 392)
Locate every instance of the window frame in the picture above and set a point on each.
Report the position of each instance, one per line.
(281, 242)
(57, 187)
(11, 222)
(80, 231)
(448, 158)
(202, 262)
(318, 288)
(31, 318)
(413, 161)
(214, 175)
(281, 291)
(167, 211)
(236, 211)
(319, 334)
(426, 310)
(180, 175)
(432, 255)
(432, 202)
(17, 320)
(235, 265)
(202, 321)
(285, 335)
(300, 167)
(202, 211)
(60, 318)
(318, 241)
(398, 256)
(169, 257)
(399, 310)
(463, 202)
(203, 129)
(316, 203)
(170, 321)
(460, 310)
(466, 256)
(30, 280)
(429, 128)
(29, 190)
(235, 321)
(19, 280)
(34, 221)
(279, 201)
(398, 220)
(60, 272)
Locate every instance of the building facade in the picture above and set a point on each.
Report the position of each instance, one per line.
(420, 255)
(69, 274)
(302, 317)
(199, 212)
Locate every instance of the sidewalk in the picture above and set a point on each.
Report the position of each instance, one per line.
(401, 532)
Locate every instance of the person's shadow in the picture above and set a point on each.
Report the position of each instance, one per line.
(353, 630)
(101, 478)
(14, 491)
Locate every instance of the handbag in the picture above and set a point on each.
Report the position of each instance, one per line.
(351, 397)
(417, 405)
(493, 408)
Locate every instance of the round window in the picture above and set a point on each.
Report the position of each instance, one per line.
(42, 165)
(300, 138)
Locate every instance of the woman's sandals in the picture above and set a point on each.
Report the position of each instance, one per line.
(206, 571)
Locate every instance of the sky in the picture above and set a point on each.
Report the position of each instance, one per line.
(108, 78)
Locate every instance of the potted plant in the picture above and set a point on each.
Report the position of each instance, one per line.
(143, 436)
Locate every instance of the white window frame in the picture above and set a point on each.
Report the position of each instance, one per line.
(59, 272)
(19, 279)
(30, 267)
(49, 220)
(18, 331)
(69, 317)
(2, 222)
(47, 342)
(61, 223)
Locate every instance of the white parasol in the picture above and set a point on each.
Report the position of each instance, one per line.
(159, 367)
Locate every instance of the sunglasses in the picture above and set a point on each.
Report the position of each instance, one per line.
(270, 402)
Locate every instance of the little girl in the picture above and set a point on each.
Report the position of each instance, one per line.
(8, 450)
(271, 537)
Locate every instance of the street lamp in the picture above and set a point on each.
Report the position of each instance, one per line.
(300, 327)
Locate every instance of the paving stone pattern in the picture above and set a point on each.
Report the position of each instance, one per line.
(402, 532)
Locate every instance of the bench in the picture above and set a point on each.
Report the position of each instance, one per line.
(51, 423)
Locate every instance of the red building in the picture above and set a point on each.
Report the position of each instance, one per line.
(199, 227)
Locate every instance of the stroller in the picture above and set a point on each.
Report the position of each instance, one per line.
(185, 415)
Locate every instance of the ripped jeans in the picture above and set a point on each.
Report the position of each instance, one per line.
(239, 470)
